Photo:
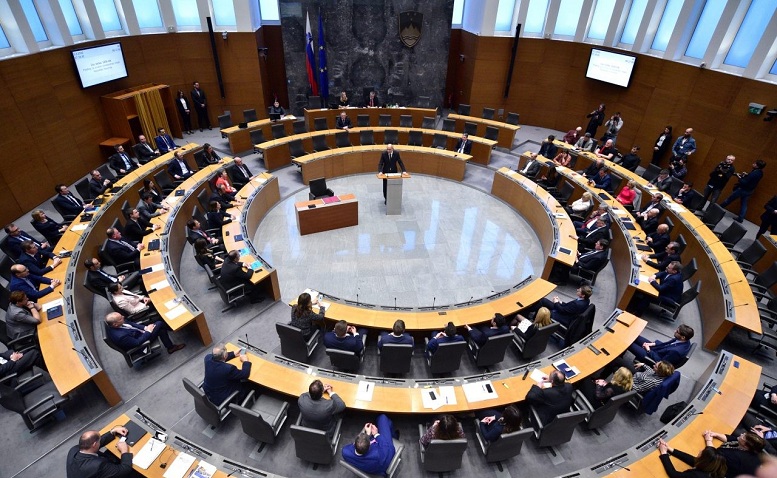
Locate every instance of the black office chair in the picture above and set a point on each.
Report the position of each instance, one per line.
(249, 115)
(712, 215)
(232, 296)
(320, 124)
(428, 122)
(732, 234)
(439, 141)
(293, 343)
(513, 118)
(598, 417)
(318, 189)
(488, 113)
(319, 143)
(313, 445)
(105, 257)
(362, 121)
(563, 193)
(144, 316)
(416, 138)
(366, 138)
(681, 243)
(470, 129)
(395, 359)
(212, 413)
(447, 357)
(591, 274)
(342, 140)
(749, 256)
(441, 456)
(391, 136)
(23, 343)
(299, 127)
(314, 102)
(405, 121)
(761, 284)
(225, 121)
(558, 431)
(424, 102)
(384, 120)
(449, 125)
(261, 416)
(296, 148)
(137, 355)
(492, 133)
(257, 136)
(67, 217)
(508, 445)
(651, 172)
(278, 131)
(82, 187)
(670, 310)
(689, 269)
(464, 109)
(165, 182)
(492, 352)
(537, 343)
(35, 399)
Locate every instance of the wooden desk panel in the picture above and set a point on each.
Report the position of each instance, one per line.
(327, 216)
(331, 116)
(506, 131)
(240, 139)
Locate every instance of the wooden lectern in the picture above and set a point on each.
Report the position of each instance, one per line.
(394, 192)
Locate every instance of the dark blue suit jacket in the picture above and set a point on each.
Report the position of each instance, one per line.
(221, 378)
(566, 312)
(671, 351)
(603, 182)
(67, 206)
(128, 338)
(32, 294)
(349, 343)
(670, 286)
(49, 229)
(163, 143)
(174, 168)
(36, 264)
(120, 253)
(431, 347)
(378, 457)
(481, 335)
(15, 245)
(388, 338)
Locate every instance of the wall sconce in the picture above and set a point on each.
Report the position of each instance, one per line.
(461, 57)
(224, 35)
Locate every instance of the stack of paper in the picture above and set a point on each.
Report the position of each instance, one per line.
(479, 391)
(539, 376)
(150, 451)
(180, 466)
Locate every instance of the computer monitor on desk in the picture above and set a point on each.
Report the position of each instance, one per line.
(275, 117)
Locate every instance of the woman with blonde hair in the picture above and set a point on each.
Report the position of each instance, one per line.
(647, 378)
(51, 229)
(526, 328)
(581, 205)
(599, 391)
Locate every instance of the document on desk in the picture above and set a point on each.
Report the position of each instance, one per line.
(179, 467)
(365, 391)
(150, 451)
(160, 285)
(479, 391)
(448, 394)
(79, 227)
(260, 180)
(176, 312)
(203, 470)
(431, 398)
(539, 376)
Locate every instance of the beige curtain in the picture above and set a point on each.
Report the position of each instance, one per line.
(151, 113)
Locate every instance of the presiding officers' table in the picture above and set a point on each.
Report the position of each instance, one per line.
(326, 214)
(374, 114)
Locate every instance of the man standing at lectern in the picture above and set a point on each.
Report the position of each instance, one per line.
(388, 164)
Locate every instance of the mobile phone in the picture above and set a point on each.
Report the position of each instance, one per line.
(432, 395)
(488, 387)
(122, 439)
(242, 351)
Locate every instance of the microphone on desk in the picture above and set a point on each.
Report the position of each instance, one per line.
(740, 305)
(620, 466)
(395, 303)
(434, 299)
(247, 342)
(470, 299)
(736, 282)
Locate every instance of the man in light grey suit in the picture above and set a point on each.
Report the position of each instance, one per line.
(318, 412)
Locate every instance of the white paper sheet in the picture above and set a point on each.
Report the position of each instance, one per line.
(478, 391)
(431, 398)
(365, 391)
(179, 467)
(150, 451)
(160, 285)
(79, 227)
(178, 311)
(448, 394)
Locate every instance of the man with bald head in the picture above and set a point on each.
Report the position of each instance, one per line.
(222, 378)
(85, 460)
(143, 151)
(127, 335)
(389, 160)
(552, 401)
(240, 172)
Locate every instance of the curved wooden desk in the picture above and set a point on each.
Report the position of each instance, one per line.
(277, 153)
(418, 115)
(240, 138)
(404, 396)
(506, 131)
(364, 159)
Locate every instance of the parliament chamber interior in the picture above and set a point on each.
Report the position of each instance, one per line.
(546, 224)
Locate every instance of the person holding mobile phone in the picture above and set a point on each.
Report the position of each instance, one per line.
(222, 378)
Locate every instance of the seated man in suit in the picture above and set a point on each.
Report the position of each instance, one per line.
(318, 412)
(149, 209)
(599, 231)
(463, 145)
(585, 142)
(344, 337)
(67, 203)
(178, 168)
(480, 335)
(372, 101)
(669, 284)
(553, 401)
(120, 161)
(658, 239)
(655, 203)
(35, 261)
(22, 280)
(650, 223)
(396, 336)
(97, 185)
(566, 312)
(532, 167)
(373, 449)
(603, 180)
(672, 351)
(631, 160)
(584, 227)
(196, 232)
(670, 253)
(240, 173)
(547, 148)
(120, 250)
(232, 274)
(15, 238)
(99, 279)
(128, 335)
(593, 169)
(663, 180)
(443, 337)
(164, 142)
(593, 259)
(343, 121)
(136, 227)
(222, 378)
(143, 151)
(85, 459)
(23, 315)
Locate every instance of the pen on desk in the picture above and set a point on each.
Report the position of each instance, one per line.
(504, 384)
(604, 351)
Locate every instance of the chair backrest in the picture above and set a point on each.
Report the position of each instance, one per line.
(733, 233)
(689, 269)
(712, 215)
(344, 359)
(695, 200)
(669, 222)
(651, 172)
(653, 397)
(513, 118)
(447, 357)
(565, 192)
(106, 173)
(686, 357)
(581, 326)
(164, 181)
(492, 133)
(319, 143)
(300, 127)
(390, 136)
(449, 125)
(690, 294)
(199, 159)
(362, 121)
(682, 243)
(342, 140)
(320, 124)
(366, 138)
(416, 138)
(439, 141)
(470, 128)
(257, 136)
(405, 121)
(296, 149)
(539, 341)
(318, 187)
(203, 197)
(82, 187)
(312, 445)
(560, 429)
(508, 445)
(396, 358)
(202, 405)
(253, 424)
(768, 278)
(752, 253)
(249, 115)
(674, 186)
(493, 351)
(384, 120)
(488, 113)
(293, 343)
(424, 102)
(442, 456)
(278, 131)
(607, 412)
(464, 109)
(314, 102)
(225, 121)
(428, 122)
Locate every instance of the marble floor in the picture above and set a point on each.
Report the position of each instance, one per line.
(452, 243)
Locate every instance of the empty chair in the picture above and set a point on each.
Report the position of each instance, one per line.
(296, 148)
(320, 124)
(384, 120)
(225, 121)
(312, 445)
(712, 215)
(442, 456)
(464, 109)
(257, 136)
(405, 121)
(598, 417)
(537, 343)
(733, 234)
(293, 343)
(319, 143)
(670, 311)
(249, 115)
(470, 128)
(439, 141)
(395, 359)
(447, 357)
(278, 131)
(362, 121)
(36, 400)
(232, 296)
(488, 113)
(449, 125)
(651, 172)
(261, 416)
(212, 413)
(366, 138)
(749, 256)
(314, 102)
(508, 445)
(559, 430)
(391, 136)
(427, 123)
(762, 283)
(424, 101)
(299, 127)
(492, 352)
(512, 118)
(681, 243)
(689, 269)
(391, 471)
(492, 133)
(82, 187)
(319, 190)
(564, 192)
(416, 138)
(342, 140)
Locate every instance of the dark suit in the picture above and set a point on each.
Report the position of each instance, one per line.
(589, 239)
(591, 261)
(221, 378)
(232, 274)
(663, 260)
(241, 174)
(340, 123)
(320, 414)
(467, 146)
(669, 286)
(349, 343)
(175, 168)
(650, 225)
(165, 143)
(381, 452)
(388, 164)
(197, 234)
(531, 169)
(550, 402)
(144, 152)
(123, 251)
(390, 338)
(97, 188)
(100, 279)
(83, 465)
(224, 199)
(117, 163)
(131, 335)
(563, 312)
(217, 219)
(134, 231)
(36, 264)
(30, 285)
(198, 98)
(49, 230)
(14, 244)
(69, 204)
(185, 110)
(148, 211)
(434, 342)
(672, 351)
(659, 241)
(372, 103)
(662, 184)
(603, 182)
(548, 150)
(480, 335)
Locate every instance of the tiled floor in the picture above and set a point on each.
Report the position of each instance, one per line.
(451, 243)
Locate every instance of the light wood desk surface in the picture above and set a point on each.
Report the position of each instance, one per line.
(506, 131)
(240, 139)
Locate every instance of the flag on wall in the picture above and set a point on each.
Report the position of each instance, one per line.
(323, 75)
(310, 61)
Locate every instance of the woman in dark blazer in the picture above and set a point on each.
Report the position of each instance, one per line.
(662, 145)
(50, 229)
(184, 109)
(204, 256)
(708, 464)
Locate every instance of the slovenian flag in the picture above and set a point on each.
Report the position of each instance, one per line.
(323, 75)
(310, 62)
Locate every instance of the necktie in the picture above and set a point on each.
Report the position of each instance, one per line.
(168, 142)
(461, 149)
(108, 276)
(73, 200)
(148, 147)
(184, 169)
(126, 161)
